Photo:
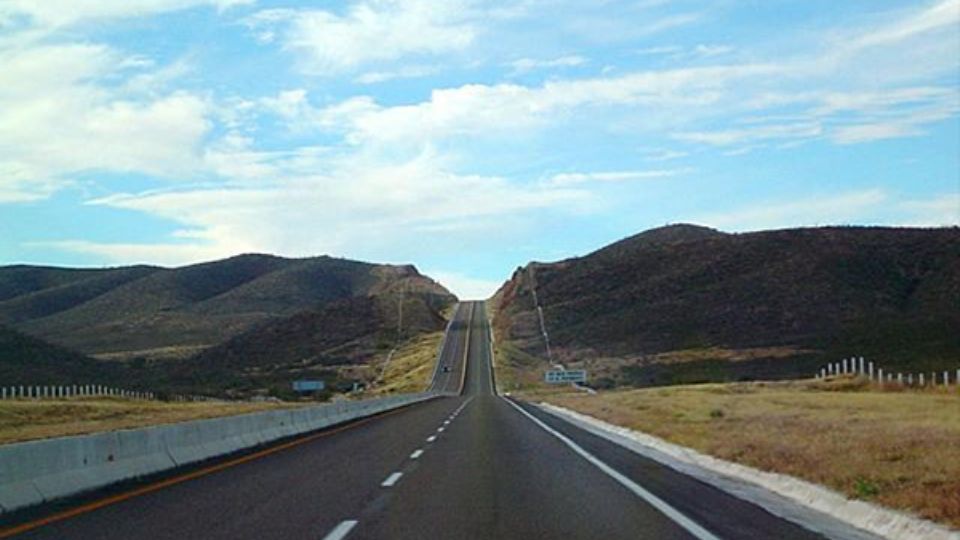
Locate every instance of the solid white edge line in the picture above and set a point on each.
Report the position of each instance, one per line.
(392, 479)
(654, 501)
(341, 530)
(416, 453)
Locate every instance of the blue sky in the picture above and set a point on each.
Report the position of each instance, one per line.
(465, 137)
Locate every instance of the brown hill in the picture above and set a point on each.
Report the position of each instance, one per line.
(324, 343)
(687, 303)
(26, 360)
(175, 312)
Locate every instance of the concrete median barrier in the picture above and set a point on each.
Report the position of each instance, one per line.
(34, 472)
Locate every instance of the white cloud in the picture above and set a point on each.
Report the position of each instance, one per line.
(360, 204)
(159, 254)
(566, 179)
(405, 72)
(940, 211)
(370, 31)
(57, 119)
(802, 130)
(465, 287)
(664, 155)
(66, 12)
(524, 65)
(942, 14)
(834, 209)
(489, 110)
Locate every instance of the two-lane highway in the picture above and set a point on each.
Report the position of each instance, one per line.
(470, 466)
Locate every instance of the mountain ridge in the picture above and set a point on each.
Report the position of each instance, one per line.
(820, 292)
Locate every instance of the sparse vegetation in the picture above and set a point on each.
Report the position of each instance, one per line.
(240, 327)
(24, 419)
(891, 446)
(685, 304)
(411, 366)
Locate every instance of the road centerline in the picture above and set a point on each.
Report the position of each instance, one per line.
(341, 530)
(392, 479)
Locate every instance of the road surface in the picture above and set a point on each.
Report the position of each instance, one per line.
(474, 465)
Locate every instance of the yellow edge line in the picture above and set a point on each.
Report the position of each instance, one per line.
(73, 512)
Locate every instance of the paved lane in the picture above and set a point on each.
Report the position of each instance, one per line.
(470, 466)
(497, 474)
(301, 492)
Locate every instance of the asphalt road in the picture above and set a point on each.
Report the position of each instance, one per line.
(474, 465)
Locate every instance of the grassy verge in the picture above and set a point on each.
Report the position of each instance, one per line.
(517, 370)
(411, 367)
(897, 448)
(23, 420)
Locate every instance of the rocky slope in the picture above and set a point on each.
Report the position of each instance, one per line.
(686, 303)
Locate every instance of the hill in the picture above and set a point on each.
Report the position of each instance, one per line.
(26, 360)
(163, 313)
(341, 342)
(687, 304)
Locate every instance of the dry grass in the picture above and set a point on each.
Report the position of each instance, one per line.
(900, 449)
(24, 419)
(412, 366)
(175, 352)
(729, 355)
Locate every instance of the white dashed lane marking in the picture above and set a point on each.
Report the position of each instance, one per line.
(392, 479)
(341, 530)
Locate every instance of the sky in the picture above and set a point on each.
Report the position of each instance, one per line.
(465, 137)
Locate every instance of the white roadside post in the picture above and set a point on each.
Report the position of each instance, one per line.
(870, 370)
(946, 379)
(880, 375)
(921, 379)
(844, 367)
